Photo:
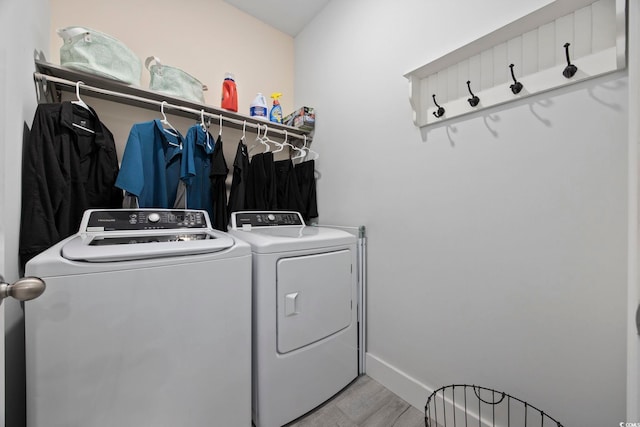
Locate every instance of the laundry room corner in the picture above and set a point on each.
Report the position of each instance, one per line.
(492, 238)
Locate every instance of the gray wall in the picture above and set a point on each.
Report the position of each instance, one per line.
(497, 242)
(24, 26)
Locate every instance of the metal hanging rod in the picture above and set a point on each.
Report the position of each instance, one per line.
(240, 124)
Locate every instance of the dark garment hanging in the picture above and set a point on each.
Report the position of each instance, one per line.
(261, 183)
(199, 146)
(70, 165)
(218, 176)
(240, 177)
(288, 192)
(305, 172)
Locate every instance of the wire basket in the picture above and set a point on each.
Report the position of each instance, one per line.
(463, 405)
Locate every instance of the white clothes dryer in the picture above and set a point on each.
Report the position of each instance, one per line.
(145, 321)
(305, 332)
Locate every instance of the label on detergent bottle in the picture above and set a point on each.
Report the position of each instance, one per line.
(258, 111)
(258, 107)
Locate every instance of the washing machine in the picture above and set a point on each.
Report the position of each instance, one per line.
(305, 340)
(145, 321)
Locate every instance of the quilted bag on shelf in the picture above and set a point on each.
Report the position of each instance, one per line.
(97, 53)
(173, 81)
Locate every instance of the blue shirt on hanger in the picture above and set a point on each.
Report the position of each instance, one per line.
(150, 168)
(196, 167)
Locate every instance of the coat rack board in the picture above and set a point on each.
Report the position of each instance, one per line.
(562, 43)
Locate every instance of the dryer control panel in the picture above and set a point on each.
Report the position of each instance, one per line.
(243, 220)
(144, 219)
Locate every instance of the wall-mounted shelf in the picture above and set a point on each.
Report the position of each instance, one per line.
(53, 79)
(534, 44)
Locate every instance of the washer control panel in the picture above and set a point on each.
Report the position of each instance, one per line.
(144, 219)
(240, 220)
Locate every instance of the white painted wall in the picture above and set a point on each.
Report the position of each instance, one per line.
(497, 242)
(23, 28)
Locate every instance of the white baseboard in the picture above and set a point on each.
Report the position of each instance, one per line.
(406, 387)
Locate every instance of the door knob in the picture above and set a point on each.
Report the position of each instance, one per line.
(24, 289)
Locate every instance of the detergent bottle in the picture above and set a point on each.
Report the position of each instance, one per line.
(229, 93)
(276, 111)
(258, 107)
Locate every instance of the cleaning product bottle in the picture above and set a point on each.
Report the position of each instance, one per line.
(229, 93)
(276, 111)
(258, 107)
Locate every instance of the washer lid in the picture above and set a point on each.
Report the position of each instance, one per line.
(103, 247)
(130, 234)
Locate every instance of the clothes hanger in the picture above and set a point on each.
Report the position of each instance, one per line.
(286, 137)
(79, 102)
(244, 129)
(202, 123)
(267, 140)
(257, 140)
(281, 145)
(204, 128)
(263, 139)
(165, 122)
(309, 150)
(301, 155)
(260, 140)
(220, 131)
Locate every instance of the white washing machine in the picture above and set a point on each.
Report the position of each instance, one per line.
(145, 321)
(305, 332)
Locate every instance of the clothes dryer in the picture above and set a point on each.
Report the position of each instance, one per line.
(145, 322)
(305, 340)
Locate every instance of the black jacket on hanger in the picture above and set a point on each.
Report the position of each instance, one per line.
(67, 169)
(218, 176)
(240, 177)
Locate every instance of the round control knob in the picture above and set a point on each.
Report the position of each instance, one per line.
(271, 217)
(154, 217)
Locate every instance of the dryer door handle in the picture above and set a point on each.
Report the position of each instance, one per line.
(24, 289)
(291, 304)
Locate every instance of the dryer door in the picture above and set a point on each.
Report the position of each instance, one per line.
(314, 298)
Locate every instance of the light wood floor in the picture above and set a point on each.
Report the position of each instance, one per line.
(364, 403)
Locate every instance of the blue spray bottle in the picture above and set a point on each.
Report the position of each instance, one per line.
(276, 111)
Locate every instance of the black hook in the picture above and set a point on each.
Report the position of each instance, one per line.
(570, 70)
(474, 100)
(516, 87)
(440, 111)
